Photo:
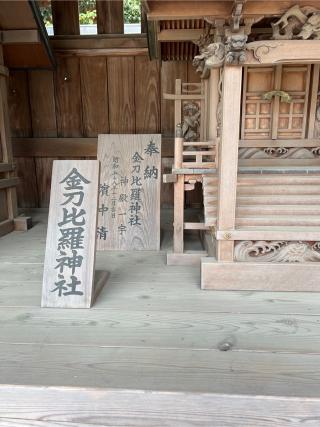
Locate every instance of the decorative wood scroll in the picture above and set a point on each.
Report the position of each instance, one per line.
(297, 23)
(277, 251)
(282, 51)
(129, 192)
(70, 251)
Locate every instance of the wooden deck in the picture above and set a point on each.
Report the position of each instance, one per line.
(155, 350)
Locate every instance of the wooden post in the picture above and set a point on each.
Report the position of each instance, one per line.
(213, 103)
(10, 211)
(178, 150)
(178, 215)
(228, 159)
(110, 16)
(65, 16)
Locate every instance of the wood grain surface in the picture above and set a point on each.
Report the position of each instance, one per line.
(70, 263)
(129, 198)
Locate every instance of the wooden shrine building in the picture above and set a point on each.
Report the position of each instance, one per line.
(249, 132)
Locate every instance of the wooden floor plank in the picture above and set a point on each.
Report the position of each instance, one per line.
(165, 329)
(206, 371)
(49, 406)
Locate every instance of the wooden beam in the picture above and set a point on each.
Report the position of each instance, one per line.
(173, 10)
(52, 147)
(8, 182)
(228, 157)
(65, 16)
(271, 52)
(105, 41)
(242, 276)
(275, 234)
(246, 143)
(6, 167)
(103, 52)
(20, 36)
(68, 147)
(110, 16)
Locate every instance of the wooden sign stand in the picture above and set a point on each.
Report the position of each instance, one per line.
(68, 279)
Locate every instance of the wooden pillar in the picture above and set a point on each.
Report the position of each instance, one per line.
(178, 219)
(8, 207)
(110, 16)
(213, 103)
(228, 159)
(65, 17)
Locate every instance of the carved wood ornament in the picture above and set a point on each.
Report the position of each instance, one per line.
(277, 251)
(297, 23)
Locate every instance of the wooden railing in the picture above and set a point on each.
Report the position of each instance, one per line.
(195, 155)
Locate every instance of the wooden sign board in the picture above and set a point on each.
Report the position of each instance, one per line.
(129, 192)
(68, 278)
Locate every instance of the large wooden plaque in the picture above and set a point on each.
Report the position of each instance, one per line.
(68, 278)
(129, 192)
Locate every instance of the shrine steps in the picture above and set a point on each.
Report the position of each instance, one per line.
(269, 200)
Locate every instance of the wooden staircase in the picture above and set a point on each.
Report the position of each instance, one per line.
(270, 200)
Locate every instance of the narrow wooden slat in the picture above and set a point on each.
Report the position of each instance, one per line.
(6, 167)
(65, 16)
(19, 108)
(121, 94)
(27, 189)
(94, 96)
(68, 97)
(263, 210)
(278, 189)
(279, 162)
(279, 199)
(281, 221)
(279, 142)
(272, 233)
(282, 179)
(110, 16)
(194, 226)
(147, 95)
(42, 103)
(8, 182)
(94, 42)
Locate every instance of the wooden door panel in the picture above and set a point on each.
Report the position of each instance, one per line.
(257, 112)
(295, 80)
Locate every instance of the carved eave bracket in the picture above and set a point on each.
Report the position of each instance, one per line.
(216, 54)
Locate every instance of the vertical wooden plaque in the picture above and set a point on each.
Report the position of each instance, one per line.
(68, 278)
(129, 192)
